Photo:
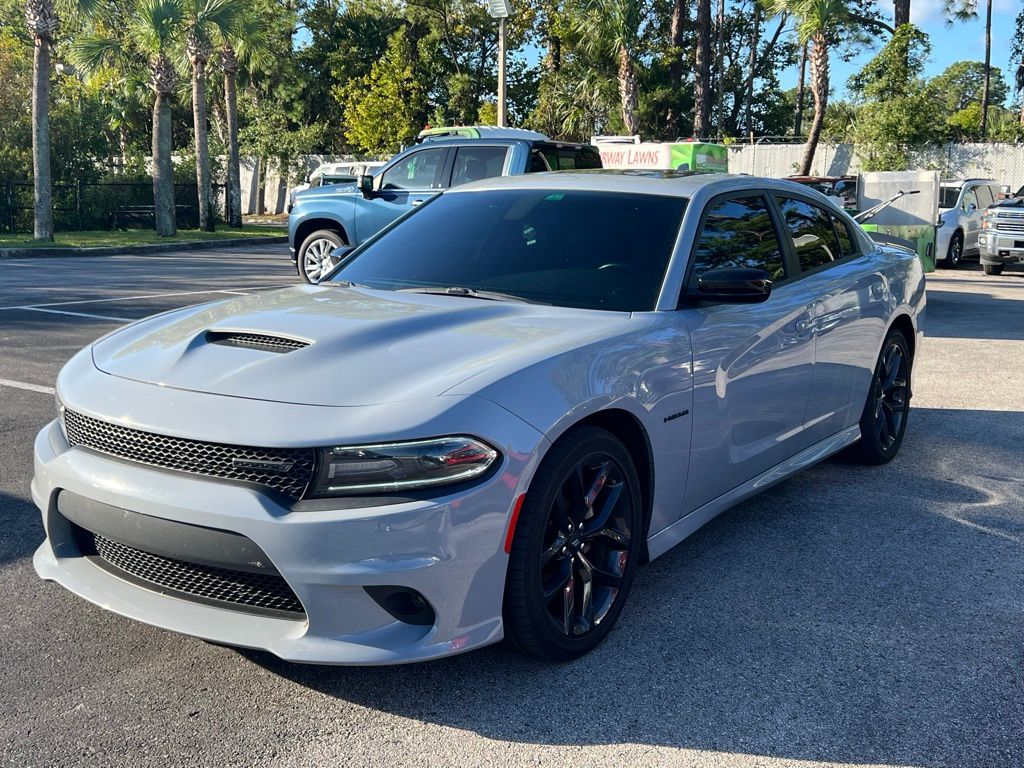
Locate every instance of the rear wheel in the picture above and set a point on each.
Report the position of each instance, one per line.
(576, 547)
(994, 269)
(884, 420)
(315, 258)
(955, 252)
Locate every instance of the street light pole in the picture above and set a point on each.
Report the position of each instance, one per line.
(501, 10)
(502, 98)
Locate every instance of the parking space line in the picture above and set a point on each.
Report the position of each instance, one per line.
(143, 296)
(75, 314)
(25, 385)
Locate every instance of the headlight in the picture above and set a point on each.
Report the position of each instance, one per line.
(391, 467)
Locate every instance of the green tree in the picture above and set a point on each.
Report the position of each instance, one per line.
(896, 110)
(967, 10)
(618, 28)
(386, 108)
(960, 84)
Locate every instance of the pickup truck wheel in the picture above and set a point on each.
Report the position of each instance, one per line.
(315, 259)
(955, 252)
(994, 269)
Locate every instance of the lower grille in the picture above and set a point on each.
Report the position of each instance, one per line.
(265, 593)
(287, 470)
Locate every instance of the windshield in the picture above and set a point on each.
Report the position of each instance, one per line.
(948, 197)
(592, 250)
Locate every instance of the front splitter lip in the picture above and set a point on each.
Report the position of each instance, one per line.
(284, 638)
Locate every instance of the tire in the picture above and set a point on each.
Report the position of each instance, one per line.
(955, 251)
(314, 259)
(884, 420)
(994, 269)
(603, 550)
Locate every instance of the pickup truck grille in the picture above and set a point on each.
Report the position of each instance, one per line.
(1002, 225)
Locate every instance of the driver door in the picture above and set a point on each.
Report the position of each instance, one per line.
(409, 181)
(752, 363)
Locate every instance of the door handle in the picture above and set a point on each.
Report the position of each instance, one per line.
(804, 324)
(415, 202)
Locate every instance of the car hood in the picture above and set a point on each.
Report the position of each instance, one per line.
(356, 346)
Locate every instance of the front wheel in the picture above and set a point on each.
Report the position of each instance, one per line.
(994, 269)
(575, 549)
(955, 252)
(884, 420)
(315, 258)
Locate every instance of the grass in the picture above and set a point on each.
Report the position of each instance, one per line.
(96, 238)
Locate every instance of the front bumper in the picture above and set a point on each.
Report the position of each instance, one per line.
(448, 549)
(1000, 248)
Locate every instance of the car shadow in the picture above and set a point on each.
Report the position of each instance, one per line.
(851, 614)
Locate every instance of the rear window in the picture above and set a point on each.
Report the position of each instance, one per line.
(948, 197)
(567, 158)
(572, 248)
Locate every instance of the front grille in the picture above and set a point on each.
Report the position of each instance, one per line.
(1009, 226)
(287, 470)
(255, 341)
(266, 593)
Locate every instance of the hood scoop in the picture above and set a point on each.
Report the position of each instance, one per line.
(260, 341)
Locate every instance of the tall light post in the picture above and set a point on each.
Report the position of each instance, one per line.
(500, 10)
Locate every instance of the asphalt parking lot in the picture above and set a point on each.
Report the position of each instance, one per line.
(850, 616)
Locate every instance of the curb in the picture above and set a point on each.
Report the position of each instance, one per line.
(146, 248)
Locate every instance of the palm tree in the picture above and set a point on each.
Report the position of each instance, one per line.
(702, 71)
(817, 21)
(618, 28)
(245, 46)
(153, 28)
(204, 21)
(43, 22)
(967, 10)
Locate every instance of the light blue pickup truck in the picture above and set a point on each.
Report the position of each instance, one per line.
(326, 218)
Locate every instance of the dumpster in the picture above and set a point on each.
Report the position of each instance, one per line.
(907, 204)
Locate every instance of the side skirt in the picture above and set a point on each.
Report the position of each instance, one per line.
(666, 538)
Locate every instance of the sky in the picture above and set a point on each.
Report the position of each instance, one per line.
(963, 42)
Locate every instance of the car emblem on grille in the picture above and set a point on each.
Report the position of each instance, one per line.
(280, 466)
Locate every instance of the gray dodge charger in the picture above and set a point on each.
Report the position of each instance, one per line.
(482, 422)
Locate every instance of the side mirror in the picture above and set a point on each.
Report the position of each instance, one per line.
(365, 184)
(970, 208)
(733, 285)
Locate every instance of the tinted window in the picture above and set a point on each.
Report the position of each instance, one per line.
(474, 163)
(810, 228)
(948, 197)
(739, 233)
(420, 170)
(540, 245)
(537, 162)
(571, 158)
(847, 242)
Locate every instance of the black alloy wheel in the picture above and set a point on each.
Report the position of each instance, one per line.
(576, 547)
(955, 252)
(884, 420)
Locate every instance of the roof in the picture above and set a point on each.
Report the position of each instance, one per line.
(637, 181)
(478, 132)
(961, 182)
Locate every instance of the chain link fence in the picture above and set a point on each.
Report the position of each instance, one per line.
(1001, 162)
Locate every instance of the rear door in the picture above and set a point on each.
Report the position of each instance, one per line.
(851, 298)
(406, 183)
(478, 161)
(752, 363)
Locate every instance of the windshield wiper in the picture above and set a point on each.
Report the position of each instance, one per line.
(472, 293)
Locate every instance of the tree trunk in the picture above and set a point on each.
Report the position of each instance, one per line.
(798, 122)
(163, 170)
(234, 172)
(261, 186)
(720, 70)
(901, 13)
(702, 73)
(553, 61)
(43, 211)
(755, 37)
(628, 91)
(988, 70)
(675, 67)
(819, 87)
(202, 144)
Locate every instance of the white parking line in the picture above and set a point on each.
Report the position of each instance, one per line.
(25, 385)
(75, 314)
(145, 296)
